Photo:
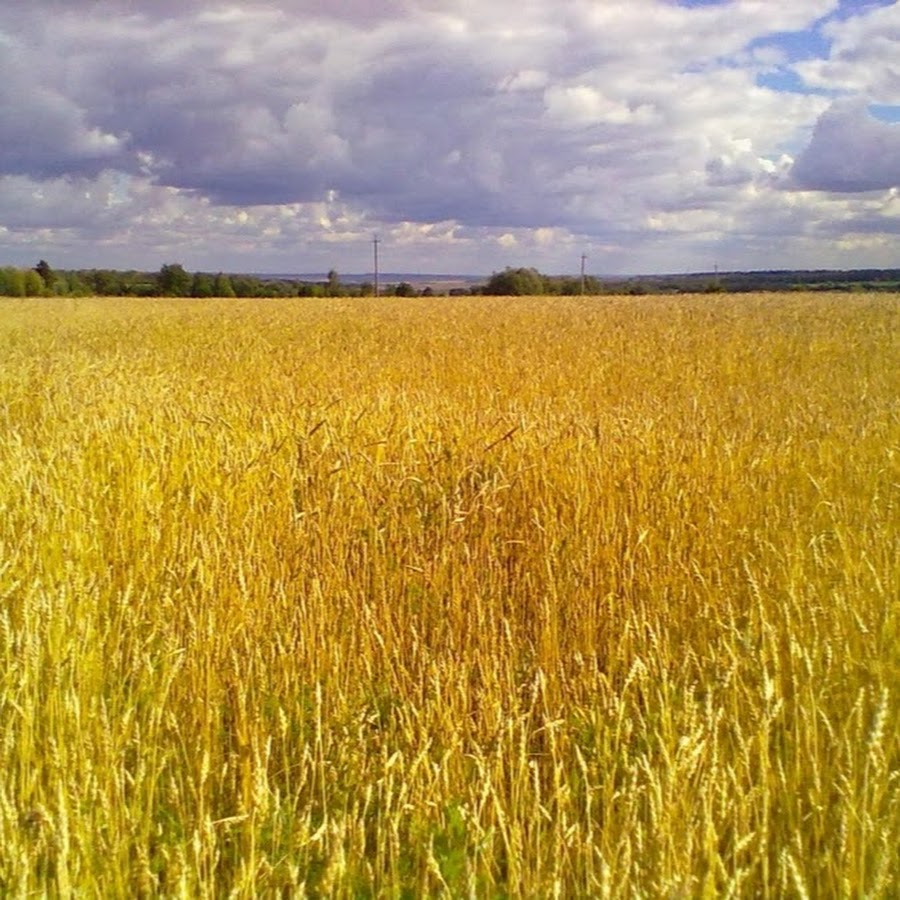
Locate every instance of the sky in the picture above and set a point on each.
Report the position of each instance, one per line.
(652, 136)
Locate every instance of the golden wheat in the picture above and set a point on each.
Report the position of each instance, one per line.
(482, 597)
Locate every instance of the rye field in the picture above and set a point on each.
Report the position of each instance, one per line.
(481, 597)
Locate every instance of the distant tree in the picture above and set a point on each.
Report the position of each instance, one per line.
(283, 288)
(105, 282)
(243, 285)
(173, 281)
(515, 283)
(569, 286)
(334, 283)
(47, 275)
(143, 286)
(202, 285)
(34, 284)
(222, 286)
(60, 286)
(428, 291)
(307, 289)
(78, 286)
(12, 282)
(405, 289)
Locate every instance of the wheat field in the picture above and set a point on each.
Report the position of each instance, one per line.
(482, 597)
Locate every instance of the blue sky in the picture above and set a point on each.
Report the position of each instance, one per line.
(809, 43)
(653, 135)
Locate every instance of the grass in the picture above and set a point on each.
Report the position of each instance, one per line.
(482, 597)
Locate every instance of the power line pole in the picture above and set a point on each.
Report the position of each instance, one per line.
(583, 258)
(375, 243)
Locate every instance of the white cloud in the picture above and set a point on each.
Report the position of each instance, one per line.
(582, 104)
(864, 58)
(280, 130)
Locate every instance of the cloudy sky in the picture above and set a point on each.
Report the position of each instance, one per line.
(651, 135)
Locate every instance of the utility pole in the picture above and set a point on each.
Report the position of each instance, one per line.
(583, 258)
(375, 243)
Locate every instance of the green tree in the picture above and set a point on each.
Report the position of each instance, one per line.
(34, 284)
(515, 283)
(334, 284)
(173, 281)
(106, 282)
(202, 285)
(78, 286)
(12, 282)
(305, 289)
(222, 286)
(405, 289)
(47, 274)
(249, 286)
(60, 286)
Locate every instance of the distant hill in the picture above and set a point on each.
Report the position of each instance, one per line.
(772, 280)
(418, 280)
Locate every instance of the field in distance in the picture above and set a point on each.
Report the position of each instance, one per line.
(482, 597)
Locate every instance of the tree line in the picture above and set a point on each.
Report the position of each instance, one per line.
(173, 280)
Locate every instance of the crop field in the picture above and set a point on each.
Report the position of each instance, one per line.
(480, 597)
